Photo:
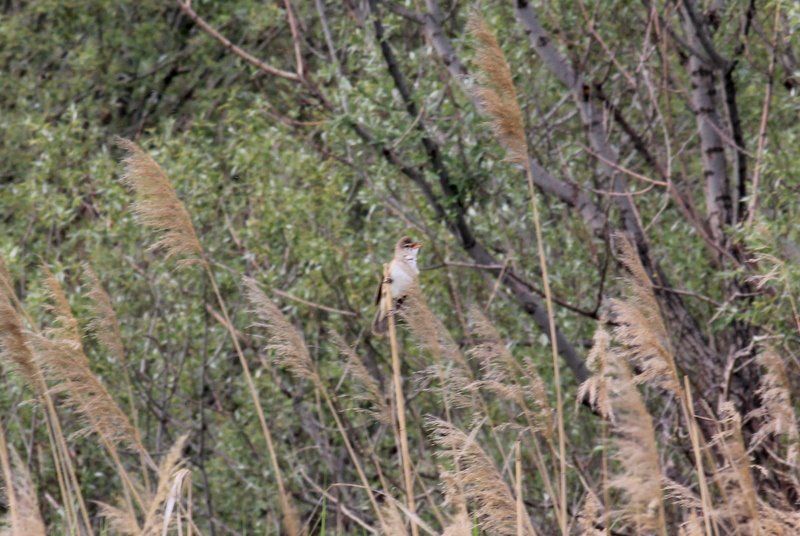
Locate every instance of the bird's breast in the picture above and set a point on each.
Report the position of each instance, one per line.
(402, 277)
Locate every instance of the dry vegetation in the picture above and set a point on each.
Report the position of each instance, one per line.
(669, 460)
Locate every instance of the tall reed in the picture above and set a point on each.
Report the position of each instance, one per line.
(158, 207)
(497, 95)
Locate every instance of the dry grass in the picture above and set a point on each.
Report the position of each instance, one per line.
(157, 205)
(478, 480)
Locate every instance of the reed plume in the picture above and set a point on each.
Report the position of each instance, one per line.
(640, 327)
(449, 368)
(596, 388)
(13, 346)
(284, 340)
(498, 97)
(24, 517)
(735, 477)
(776, 413)
(496, 93)
(167, 471)
(104, 323)
(478, 480)
(590, 517)
(503, 375)
(62, 360)
(290, 351)
(64, 326)
(639, 478)
(157, 205)
(371, 392)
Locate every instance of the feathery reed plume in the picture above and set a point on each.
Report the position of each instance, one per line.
(498, 97)
(371, 391)
(480, 481)
(504, 376)
(104, 323)
(284, 340)
(735, 477)
(158, 206)
(13, 347)
(120, 519)
(395, 524)
(290, 350)
(63, 361)
(776, 411)
(590, 517)
(596, 387)
(496, 93)
(65, 325)
(16, 350)
(24, 517)
(640, 326)
(636, 452)
(459, 524)
(167, 470)
(449, 368)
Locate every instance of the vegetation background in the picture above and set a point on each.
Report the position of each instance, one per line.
(304, 139)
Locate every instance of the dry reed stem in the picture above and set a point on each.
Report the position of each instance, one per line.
(400, 403)
(496, 92)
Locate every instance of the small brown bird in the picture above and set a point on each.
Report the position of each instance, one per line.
(403, 273)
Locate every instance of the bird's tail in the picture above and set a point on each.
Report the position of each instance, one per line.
(380, 324)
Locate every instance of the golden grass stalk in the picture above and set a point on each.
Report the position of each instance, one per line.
(400, 402)
(158, 206)
(639, 479)
(24, 517)
(479, 480)
(498, 97)
(371, 392)
(290, 351)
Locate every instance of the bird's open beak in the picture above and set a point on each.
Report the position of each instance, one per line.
(416, 245)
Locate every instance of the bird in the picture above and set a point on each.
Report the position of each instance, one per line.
(402, 274)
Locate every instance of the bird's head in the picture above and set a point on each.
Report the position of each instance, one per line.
(407, 247)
